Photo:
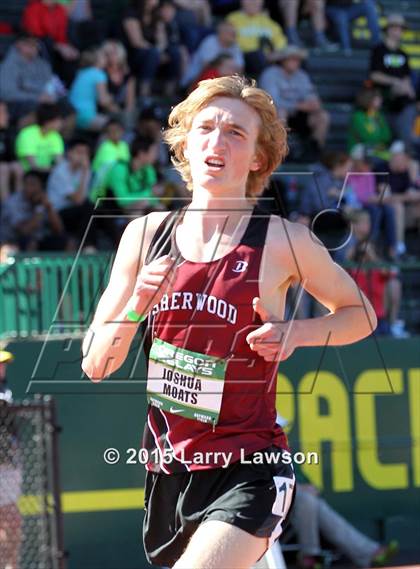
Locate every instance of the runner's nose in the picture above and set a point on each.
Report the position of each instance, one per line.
(216, 140)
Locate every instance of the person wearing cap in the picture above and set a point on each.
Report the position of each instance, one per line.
(10, 475)
(390, 71)
(295, 95)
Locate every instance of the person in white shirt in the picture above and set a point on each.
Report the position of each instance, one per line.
(67, 188)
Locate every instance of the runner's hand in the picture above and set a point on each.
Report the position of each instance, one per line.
(154, 280)
(269, 340)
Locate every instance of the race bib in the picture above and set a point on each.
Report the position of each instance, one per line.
(185, 383)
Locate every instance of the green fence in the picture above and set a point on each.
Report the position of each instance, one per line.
(57, 293)
(45, 289)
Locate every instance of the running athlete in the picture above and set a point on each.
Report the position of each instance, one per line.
(212, 280)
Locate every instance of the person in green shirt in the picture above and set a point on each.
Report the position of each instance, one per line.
(369, 126)
(133, 184)
(127, 188)
(112, 148)
(39, 146)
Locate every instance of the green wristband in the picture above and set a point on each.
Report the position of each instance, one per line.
(134, 316)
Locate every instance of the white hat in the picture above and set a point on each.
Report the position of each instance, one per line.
(396, 20)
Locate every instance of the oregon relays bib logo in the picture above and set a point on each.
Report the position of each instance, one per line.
(185, 383)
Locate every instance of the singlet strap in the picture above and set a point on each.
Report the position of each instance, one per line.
(162, 242)
(256, 231)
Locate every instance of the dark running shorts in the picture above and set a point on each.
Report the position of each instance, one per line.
(254, 497)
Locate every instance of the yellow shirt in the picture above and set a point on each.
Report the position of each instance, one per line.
(251, 29)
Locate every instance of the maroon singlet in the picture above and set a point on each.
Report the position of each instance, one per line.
(210, 311)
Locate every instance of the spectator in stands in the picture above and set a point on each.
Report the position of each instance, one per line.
(48, 20)
(325, 186)
(369, 126)
(223, 65)
(390, 71)
(381, 285)
(222, 42)
(194, 20)
(83, 31)
(165, 35)
(259, 37)
(28, 219)
(403, 183)
(326, 201)
(40, 145)
(149, 124)
(112, 148)
(10, 169)
(343, 12)
(89, 90)
(201, 9)
(380, 206)
(128, 188)
(121, 83)
(316, 11)
(67, 188)
(24, 76)
(133, 184)
(151, 37)
(312, 518)
(295, 95)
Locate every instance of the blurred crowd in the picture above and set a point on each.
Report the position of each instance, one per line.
(83, 102)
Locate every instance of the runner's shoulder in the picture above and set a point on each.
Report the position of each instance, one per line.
(284, 230)
(287, 239)
(145, 226)
(140, 230)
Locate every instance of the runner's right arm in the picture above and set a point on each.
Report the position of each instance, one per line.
(132, 286)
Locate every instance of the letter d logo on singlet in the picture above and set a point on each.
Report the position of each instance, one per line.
(240, 267)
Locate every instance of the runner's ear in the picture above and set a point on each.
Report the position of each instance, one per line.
(255, 164)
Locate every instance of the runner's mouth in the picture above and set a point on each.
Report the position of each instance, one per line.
(215, 163)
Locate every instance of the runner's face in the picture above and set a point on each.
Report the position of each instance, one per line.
(221, 145)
